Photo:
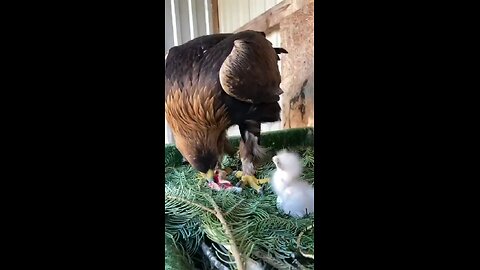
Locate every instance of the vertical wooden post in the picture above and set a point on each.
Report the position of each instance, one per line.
(215, 21)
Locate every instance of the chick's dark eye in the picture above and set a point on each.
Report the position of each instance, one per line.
(279, 165)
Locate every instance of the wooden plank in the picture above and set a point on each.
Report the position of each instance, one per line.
(215, 21)
(272, 17)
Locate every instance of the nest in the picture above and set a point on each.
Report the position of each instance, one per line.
(207, 229)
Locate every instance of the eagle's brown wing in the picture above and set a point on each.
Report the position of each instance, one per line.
(250, 72)
(183, 63)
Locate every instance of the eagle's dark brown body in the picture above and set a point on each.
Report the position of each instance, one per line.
(214, 82)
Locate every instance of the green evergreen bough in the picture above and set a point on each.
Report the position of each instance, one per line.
(177, 258)
(249, 225)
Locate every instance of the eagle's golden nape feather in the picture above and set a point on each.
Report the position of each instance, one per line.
(198, 124)
(195, 112)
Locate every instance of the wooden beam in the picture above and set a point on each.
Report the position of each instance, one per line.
(215, 20)
(267, 21)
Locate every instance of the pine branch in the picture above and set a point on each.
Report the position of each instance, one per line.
(211, 257)
(233, 207)
(218, 214)
(272, 260)
(175, 256)
(306, 255)
(191, 203)
(234, 250)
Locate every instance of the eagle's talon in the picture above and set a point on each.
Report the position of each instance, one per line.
(238, 174)
(251, 181)
(263, 181)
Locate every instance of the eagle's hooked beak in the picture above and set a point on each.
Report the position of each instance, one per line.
(208, 175)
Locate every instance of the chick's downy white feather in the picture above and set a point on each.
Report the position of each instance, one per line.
(294, 196)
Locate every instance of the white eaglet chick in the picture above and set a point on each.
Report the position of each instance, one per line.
(295, 196)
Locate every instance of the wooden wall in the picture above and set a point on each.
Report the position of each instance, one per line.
(296, 32)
